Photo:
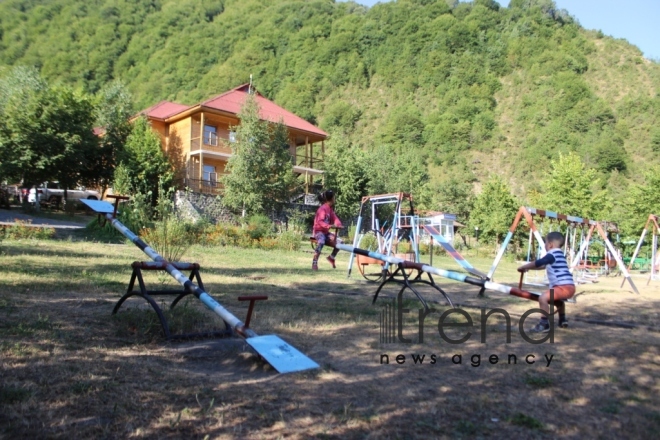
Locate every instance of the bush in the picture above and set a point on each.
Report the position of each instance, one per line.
(169, 237)
(255, 235)
(259, 226)
(289, 241)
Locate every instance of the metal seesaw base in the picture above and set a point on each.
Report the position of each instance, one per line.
(401, 276)
(147, 295)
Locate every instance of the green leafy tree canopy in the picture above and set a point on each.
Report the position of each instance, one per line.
(260, 169)
(144, 167)
(573, 189)
(494, 210)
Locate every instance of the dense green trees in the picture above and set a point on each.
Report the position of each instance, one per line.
(572, 188)
(45, 132)
(494, 210)
(347, 173)
(642, 200)
(410, 83)
(113, 110)
(143, 166)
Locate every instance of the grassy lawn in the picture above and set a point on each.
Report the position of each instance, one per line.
(70, 369)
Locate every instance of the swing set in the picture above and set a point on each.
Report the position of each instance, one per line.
(653, 222)
(570, 231)
(382, 226)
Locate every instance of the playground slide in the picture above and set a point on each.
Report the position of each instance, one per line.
(437, 236)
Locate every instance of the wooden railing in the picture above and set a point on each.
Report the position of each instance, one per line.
(213, 143)
(308, 162)
(203, 186)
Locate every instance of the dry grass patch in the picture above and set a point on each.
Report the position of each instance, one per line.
(69, 369)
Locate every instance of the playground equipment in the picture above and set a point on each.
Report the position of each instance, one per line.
(405, 265)
(572, 222)
(387, 227)
(381, 227)
(282, 356)
(437, 236)
(653, 222)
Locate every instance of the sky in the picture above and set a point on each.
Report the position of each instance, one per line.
(633, 20)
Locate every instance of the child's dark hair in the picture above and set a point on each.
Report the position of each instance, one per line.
(556, 238)
(326, 195)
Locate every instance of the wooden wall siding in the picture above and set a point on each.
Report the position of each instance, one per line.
(161, 130)
(183, 129)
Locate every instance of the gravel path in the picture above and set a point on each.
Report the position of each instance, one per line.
(9, 217)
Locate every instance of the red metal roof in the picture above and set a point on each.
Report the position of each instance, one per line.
(232, 101)
(164, 109)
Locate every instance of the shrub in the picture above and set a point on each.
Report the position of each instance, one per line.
(259, 226)
(169, 237)
(253, 235)
(288, 241)
(222, 235)
(103, 233)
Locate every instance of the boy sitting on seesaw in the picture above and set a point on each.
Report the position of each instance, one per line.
(559, 277)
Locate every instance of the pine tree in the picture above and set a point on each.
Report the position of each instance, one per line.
(260, 168)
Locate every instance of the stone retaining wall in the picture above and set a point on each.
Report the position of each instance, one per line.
(196, 206)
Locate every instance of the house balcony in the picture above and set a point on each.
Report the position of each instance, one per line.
(306, 159)
(212, 143)
(210, 183)
(203, 186)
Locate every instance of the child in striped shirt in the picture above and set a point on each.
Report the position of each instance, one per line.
(559, 277)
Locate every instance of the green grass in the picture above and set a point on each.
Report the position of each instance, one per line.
(520, 419)
(538, 381)
(10, 395)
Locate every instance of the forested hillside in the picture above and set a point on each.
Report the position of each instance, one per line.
(463, 90)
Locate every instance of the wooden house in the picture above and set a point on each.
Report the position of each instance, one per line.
(198, 138)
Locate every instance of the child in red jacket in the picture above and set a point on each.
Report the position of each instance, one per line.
(324, 219)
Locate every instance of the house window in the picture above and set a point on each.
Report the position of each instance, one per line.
(210, 135)
(232, 136)
(447, 229)
(209, 177)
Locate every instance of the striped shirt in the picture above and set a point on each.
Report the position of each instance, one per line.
(556, 267)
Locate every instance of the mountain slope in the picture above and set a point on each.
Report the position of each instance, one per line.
(471, 86)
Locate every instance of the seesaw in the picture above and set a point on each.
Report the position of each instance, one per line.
(408, 282)
(446, 245)
(278, 353)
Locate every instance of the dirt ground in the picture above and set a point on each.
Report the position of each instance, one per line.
(69, 371)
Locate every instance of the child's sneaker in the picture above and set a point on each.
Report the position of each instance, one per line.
(315, 266)
(563, 323)
(332, 261)
(541, 328)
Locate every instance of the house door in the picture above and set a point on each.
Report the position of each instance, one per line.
(210, 177)
(210, 135)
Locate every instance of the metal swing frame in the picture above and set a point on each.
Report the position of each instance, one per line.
(387, 238)
(594, 226)
(653, 222)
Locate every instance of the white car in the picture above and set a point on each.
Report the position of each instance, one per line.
(51, 193)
